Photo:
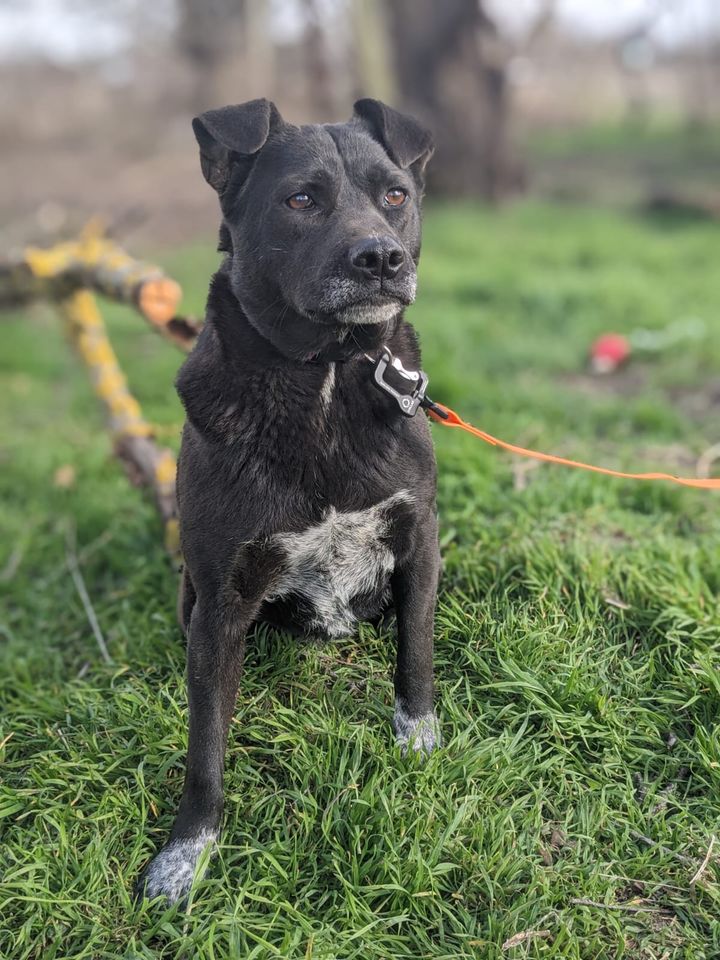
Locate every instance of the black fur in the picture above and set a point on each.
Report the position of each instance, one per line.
(284, 425)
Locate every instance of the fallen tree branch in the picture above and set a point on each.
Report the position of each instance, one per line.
(92, 262)
(625, 908)
(519, 938)
(68, 274)
(636, 835)
(147, 464)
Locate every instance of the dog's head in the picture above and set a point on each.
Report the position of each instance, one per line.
(322, 223)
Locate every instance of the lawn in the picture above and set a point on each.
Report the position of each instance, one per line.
(578, 646)
(625, 162)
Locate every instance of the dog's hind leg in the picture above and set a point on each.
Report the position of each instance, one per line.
(216, 643)
(414, 585)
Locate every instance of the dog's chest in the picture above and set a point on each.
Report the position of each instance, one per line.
(340, 565)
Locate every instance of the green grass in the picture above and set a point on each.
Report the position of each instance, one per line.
(578, 649)
(625, 163)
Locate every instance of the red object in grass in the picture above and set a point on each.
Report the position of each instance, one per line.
(608, 352)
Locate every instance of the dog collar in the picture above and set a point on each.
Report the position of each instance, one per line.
(407, 387)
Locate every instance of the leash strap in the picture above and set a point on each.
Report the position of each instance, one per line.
(449, 418)
(408, 389)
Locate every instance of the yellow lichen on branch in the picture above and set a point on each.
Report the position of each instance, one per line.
(68, 274)
(87, 331)
(93, 262)
(146, 463)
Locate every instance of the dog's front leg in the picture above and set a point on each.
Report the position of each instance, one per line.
(216, 645)
(414, 585)
(214, 663)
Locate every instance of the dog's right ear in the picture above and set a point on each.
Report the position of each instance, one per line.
(230, 135)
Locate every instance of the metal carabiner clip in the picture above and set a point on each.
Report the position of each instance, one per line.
(416, 380)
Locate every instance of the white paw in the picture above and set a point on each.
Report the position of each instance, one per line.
(421, 734)
(172, 871)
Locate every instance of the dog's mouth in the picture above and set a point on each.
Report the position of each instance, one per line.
(369, 311)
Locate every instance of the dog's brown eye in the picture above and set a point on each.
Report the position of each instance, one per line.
(395, 197)
(300, 201)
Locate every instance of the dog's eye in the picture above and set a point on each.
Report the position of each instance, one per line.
(300, 201)
(395, 197)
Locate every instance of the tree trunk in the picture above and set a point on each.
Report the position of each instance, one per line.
(451, 70)
(318, 71)
(208, 32)
(372, 73)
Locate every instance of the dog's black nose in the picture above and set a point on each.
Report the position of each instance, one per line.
(380, 257)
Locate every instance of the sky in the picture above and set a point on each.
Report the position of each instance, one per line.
(680, 20)
(68, 30)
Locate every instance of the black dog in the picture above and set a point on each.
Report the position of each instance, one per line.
(307, 496)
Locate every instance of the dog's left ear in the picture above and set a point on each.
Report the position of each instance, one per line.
(232, 135)
(407, 141)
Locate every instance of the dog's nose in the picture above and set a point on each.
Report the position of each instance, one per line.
(380, 257)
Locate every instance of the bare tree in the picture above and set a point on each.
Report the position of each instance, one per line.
(317, 67)
(636, 51)
(451, 69)
(372, 56)
(208, 32)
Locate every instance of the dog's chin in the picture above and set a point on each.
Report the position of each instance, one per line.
(359, 314)
(368, 314)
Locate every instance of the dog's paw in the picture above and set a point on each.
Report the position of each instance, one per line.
(170, 874)
(420, 734)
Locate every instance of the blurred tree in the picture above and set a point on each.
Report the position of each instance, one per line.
(451, 69)
(373, 68)
(258, 51)
(320, 81)
(208, 32)
(637, 53)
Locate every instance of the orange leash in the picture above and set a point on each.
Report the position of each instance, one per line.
(453, 420)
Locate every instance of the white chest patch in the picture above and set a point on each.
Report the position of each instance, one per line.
(341, 557)
(326, 391)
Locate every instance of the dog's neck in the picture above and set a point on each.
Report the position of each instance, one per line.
(290, 338)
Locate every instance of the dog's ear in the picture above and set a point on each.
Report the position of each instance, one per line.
(406, 140)
(231, 134)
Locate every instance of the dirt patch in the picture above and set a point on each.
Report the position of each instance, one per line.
(628, 381)
(696, 403)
